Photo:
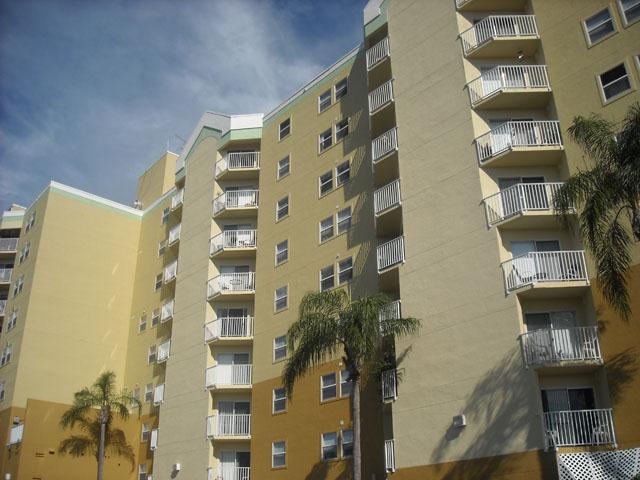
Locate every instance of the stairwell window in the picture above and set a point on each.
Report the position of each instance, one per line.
(342, 129)
(279, 400)
(279, 454)
(343, 173)
(329, 446)
(326, 182)
(615, 82)
(327, 278)
(282, 252)
(281, 298)
(343, 220)
(341, 88)
(282, 208)
(284, 128)
(324, 101)
(326, 229)
(325, 140)
(152, 356)
(328, 387)
(629, 11)
(279, 348)
(284, 167)
(598, 26)
(345, 270)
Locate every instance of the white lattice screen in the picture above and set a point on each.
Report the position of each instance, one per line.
(611, 465)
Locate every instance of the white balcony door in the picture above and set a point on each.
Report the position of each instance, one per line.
(567, 399)
(564, 339)
(230, 461)
(229, 375)
(526, 268)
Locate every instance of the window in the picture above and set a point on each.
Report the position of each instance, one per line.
(30, 222)
(342, 129)
(326, 229)
(17, 287)
(325, 140)
(6, 355)
(165, 215)
(281, 298)
(278, 454)
(598, 26)
(142, 324)
(155, 317)
(158, 282)
(12, 319)
(340, 88)
(282, 208)
(284, 129)
(2, 390)
(142, 472)
(614, 82)
(152, 355)
(284, 167)
(279, 400)
(24, 253)
(345, 385)
(326, 278)
(345, 270)
(347, 443)
(343, 173)
(328, 387)
(148, 392)
(630, 11)
(279, 348)
(343, 220)
(282, 252)
(136, 395)
(329, 446)
(326, 182)
(146, 433)
(162, 246)
(324, 101)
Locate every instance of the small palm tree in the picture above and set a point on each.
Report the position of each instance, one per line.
(608, 193)
(93, 410)
(329, 324)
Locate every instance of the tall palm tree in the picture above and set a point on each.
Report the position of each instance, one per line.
(608, 194)
(330, 324)
(93, 411)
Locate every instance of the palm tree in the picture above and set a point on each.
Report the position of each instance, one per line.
(93, 410)
(329, 324)
(608, 193)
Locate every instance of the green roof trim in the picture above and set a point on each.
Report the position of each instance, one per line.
(240, 134)
(379, 21)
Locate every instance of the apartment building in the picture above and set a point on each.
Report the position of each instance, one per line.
(422, 164)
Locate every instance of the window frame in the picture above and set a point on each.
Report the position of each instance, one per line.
(321, 183)
(348, 269)
(331, 277)
(345, 80)
(276, 348)
(321, 229)
(165, 216)
(2, 390)
(586, 30)
(13, 319)
(625, 22)
(145, 433)
(345, 382)
(288, 128)
(162, 247)
(323, 387)
(343, 443)
(275, 399)
(345, 127)
(320, 101)
(285, 251)
(285, 297)
(601, 87)
(283, 453)
(158, 281)
(155, 317)
(142, 323)
(152, 352)
(322, 147)
(338, 221)
(280, 176)
(279, 208)
(148, 393)
(338, 182)
(335, 446)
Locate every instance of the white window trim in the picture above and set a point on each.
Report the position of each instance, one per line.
(331, 101)
(606, 101)
(320, 148)
(342, 442)
(148, 393)
(273, 454)
(320, 229)
(625, 22)
(335, 89)
(155, 315)
(322, 386)
(335, 130)
(285, 347)
(339, 271)
(280, 137)
(275, 299)
(332, 276)
(157, 282)
(348, 163)
(322, 446)
(320, 184)
(586, 29)
(164, 219)
(278, 208)
(273, 401)
(278, 176)
(152, 352)
(277, 263)
(337, 222)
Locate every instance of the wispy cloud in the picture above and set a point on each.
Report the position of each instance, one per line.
(92, 92)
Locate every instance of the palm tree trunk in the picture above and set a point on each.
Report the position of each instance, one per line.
(355, 414)
(103, 428)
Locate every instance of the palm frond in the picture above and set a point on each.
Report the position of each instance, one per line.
(117, 444)
(77, 446)
(595, 136)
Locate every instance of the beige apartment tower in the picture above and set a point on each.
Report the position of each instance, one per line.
(422, 164)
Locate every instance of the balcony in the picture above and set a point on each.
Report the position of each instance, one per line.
(236, 203)
(380, 97)
(238, 166)
(234, 473)
(378, 53)
(230, 330)
(384, 145)
(501, 36)
(163, 351)
(174, 235)
(15, 434)
(153, 441)
(170, 272)
(521, 144)
(561, 346)
(389, 383)
(546, 270)
(166, 313)
(8, 245)
(5, 275)
(390, 254)
(490, 5)
(3, 306)
(230, 426)
(511, 87)
(390, 311)
(389, 455)
(238, 285)
(577, 428)
(228, 377)
(233, 243)
(177, 199)
(388, 216)
(524, 205)
(158, 394)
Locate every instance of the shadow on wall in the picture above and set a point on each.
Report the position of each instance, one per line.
(330, 470)
(621, 369)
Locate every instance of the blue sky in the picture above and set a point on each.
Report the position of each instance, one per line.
(91, 91)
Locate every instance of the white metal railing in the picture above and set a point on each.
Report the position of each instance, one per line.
(518, 133)
(231, 282)
(233, 239)
(520, 198)
(390, 253)
(229, 425)
(390, 311)
(386, 197)
(498, 26)
(389, 455)
(554, 345)
(15, 434)
(228, 375)
(3, 305)
(534, 267)
(389, 383)
(572, 428)
(170, 272)
(377, 53)
(384, 144)
(507, 77)
(238, 161)
(235, 473)
(166, 312)
(163, 351)
(174, 234)
(5, 274)
(158, 394)
(153, 443)
(225, 327)
(381, 96)
(235, 199)
(8, 244)
(177, 199)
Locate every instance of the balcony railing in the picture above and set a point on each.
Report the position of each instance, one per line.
(234, 473)
(238, 161)
(231, 283)
(528, 134)
(384, 144)
(381, 96)
(229, 425)
(389, 455)
(153, 442)
(228, 327)
(170, 272)
(386, 197)
(389, 385)
(228, 375)
(163, 351)
(378, 53)
(177, 199)
(390, 253)
(235, 199)
(574, 428)
(15, 434)
(5, 274)
(167, 310)
(390, 311)
(3, 305)
(8, 244)
(535, 267)
(158, 394)
(519, 199)
(232, 239)
(174, 234)
(508, 77)
(555, 345)
(498, 26)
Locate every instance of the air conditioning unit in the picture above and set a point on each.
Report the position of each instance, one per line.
(459, 421)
